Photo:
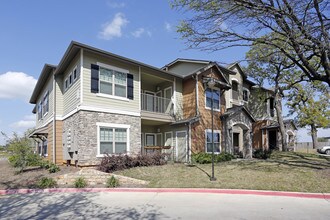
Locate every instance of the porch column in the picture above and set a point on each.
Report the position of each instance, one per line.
(247, 144)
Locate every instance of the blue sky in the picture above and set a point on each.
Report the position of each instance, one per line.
(39, 31)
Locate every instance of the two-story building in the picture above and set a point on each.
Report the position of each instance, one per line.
(95, 102)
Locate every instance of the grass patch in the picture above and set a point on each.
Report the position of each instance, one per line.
(287, 171)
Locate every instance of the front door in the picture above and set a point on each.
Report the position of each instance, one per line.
(181, 146)
(272, 140)
(236, 143)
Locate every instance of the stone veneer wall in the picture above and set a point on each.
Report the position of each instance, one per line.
(84, 133)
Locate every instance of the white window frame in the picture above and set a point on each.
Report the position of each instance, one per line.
(66, 84)
(231, 94)
(44, 112)
(70, 77)
(114, 126)
(169, 132)
(113, 68)
(40, 115)
(74, 74)
(248, 94)
(214, 131)
(209, 108)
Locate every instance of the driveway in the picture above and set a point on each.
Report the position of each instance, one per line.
(159, 205)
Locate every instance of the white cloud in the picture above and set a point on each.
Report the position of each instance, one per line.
(114, 27)
(28, 121)
(114, 4)
(16, 85)
(168, 27)
(141, 31)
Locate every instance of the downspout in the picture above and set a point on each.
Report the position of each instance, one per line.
(54, 120)
(196, 93)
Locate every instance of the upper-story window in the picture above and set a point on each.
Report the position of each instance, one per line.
(74, 72)
(271, 107)
(215, 96)
(234, 88)
(245, 95)
(40, 110)
(111, 81)
(66, 84)
(45, 103)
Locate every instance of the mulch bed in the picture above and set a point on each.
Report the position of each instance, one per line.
(9, 179)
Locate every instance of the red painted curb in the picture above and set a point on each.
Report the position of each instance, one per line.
(171, 190)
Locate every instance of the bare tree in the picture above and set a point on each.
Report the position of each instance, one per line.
(300, 29)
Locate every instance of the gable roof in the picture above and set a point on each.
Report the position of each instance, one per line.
(237, 109)
(47, 71)
(186, 61)
(75, 47)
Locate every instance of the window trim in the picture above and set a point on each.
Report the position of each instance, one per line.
(169, 132)
(75, 74)
(248, 95)
(40, 116)
(209, 108)
(70, 79)
(210, 131)
(66, 84)
(112, 68)
(114, 126)
(44, 113)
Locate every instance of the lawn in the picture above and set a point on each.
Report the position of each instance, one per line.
(298, 172)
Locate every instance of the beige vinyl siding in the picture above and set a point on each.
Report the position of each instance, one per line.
(46, 118)
(59, 96)
(179, 99)
(185, 68)
(93, 100)
(71, 97)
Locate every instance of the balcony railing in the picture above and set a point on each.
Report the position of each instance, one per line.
(153, 103)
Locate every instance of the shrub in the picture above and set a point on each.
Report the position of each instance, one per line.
(80, 182)
(53, 168)
(203, 158)
(20, 150)
(111, 163)
(45, 164)
(262, 154)
(112, 182)
(46, 182)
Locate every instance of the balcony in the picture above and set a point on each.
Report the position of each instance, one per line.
(157, 108)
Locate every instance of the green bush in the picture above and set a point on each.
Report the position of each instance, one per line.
(112, 182)
(204, 158)
(45, 164)
(53, 168)
(80, 182)
(262, 154)
(21, 153)
(46, 182)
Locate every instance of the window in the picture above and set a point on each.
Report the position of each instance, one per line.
(216, 99)
(271, 107)
(45, 105)
(66, 85)
(234, 88)
(113, 140)
(70, 79)
(75, 74)
(44, 148)
(113, 82)
(216, 141)
(246, 95)
(40, 110)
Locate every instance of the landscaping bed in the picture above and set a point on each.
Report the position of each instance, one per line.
(287, 171)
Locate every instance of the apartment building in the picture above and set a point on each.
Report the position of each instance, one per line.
(95, 102)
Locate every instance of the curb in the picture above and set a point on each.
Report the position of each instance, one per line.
(171, 190)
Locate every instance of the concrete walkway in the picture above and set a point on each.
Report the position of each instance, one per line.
(163, 204)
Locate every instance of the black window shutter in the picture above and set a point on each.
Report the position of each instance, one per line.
(130, 87)
(94, 78)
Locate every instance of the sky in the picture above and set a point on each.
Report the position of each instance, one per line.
(39, 31)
